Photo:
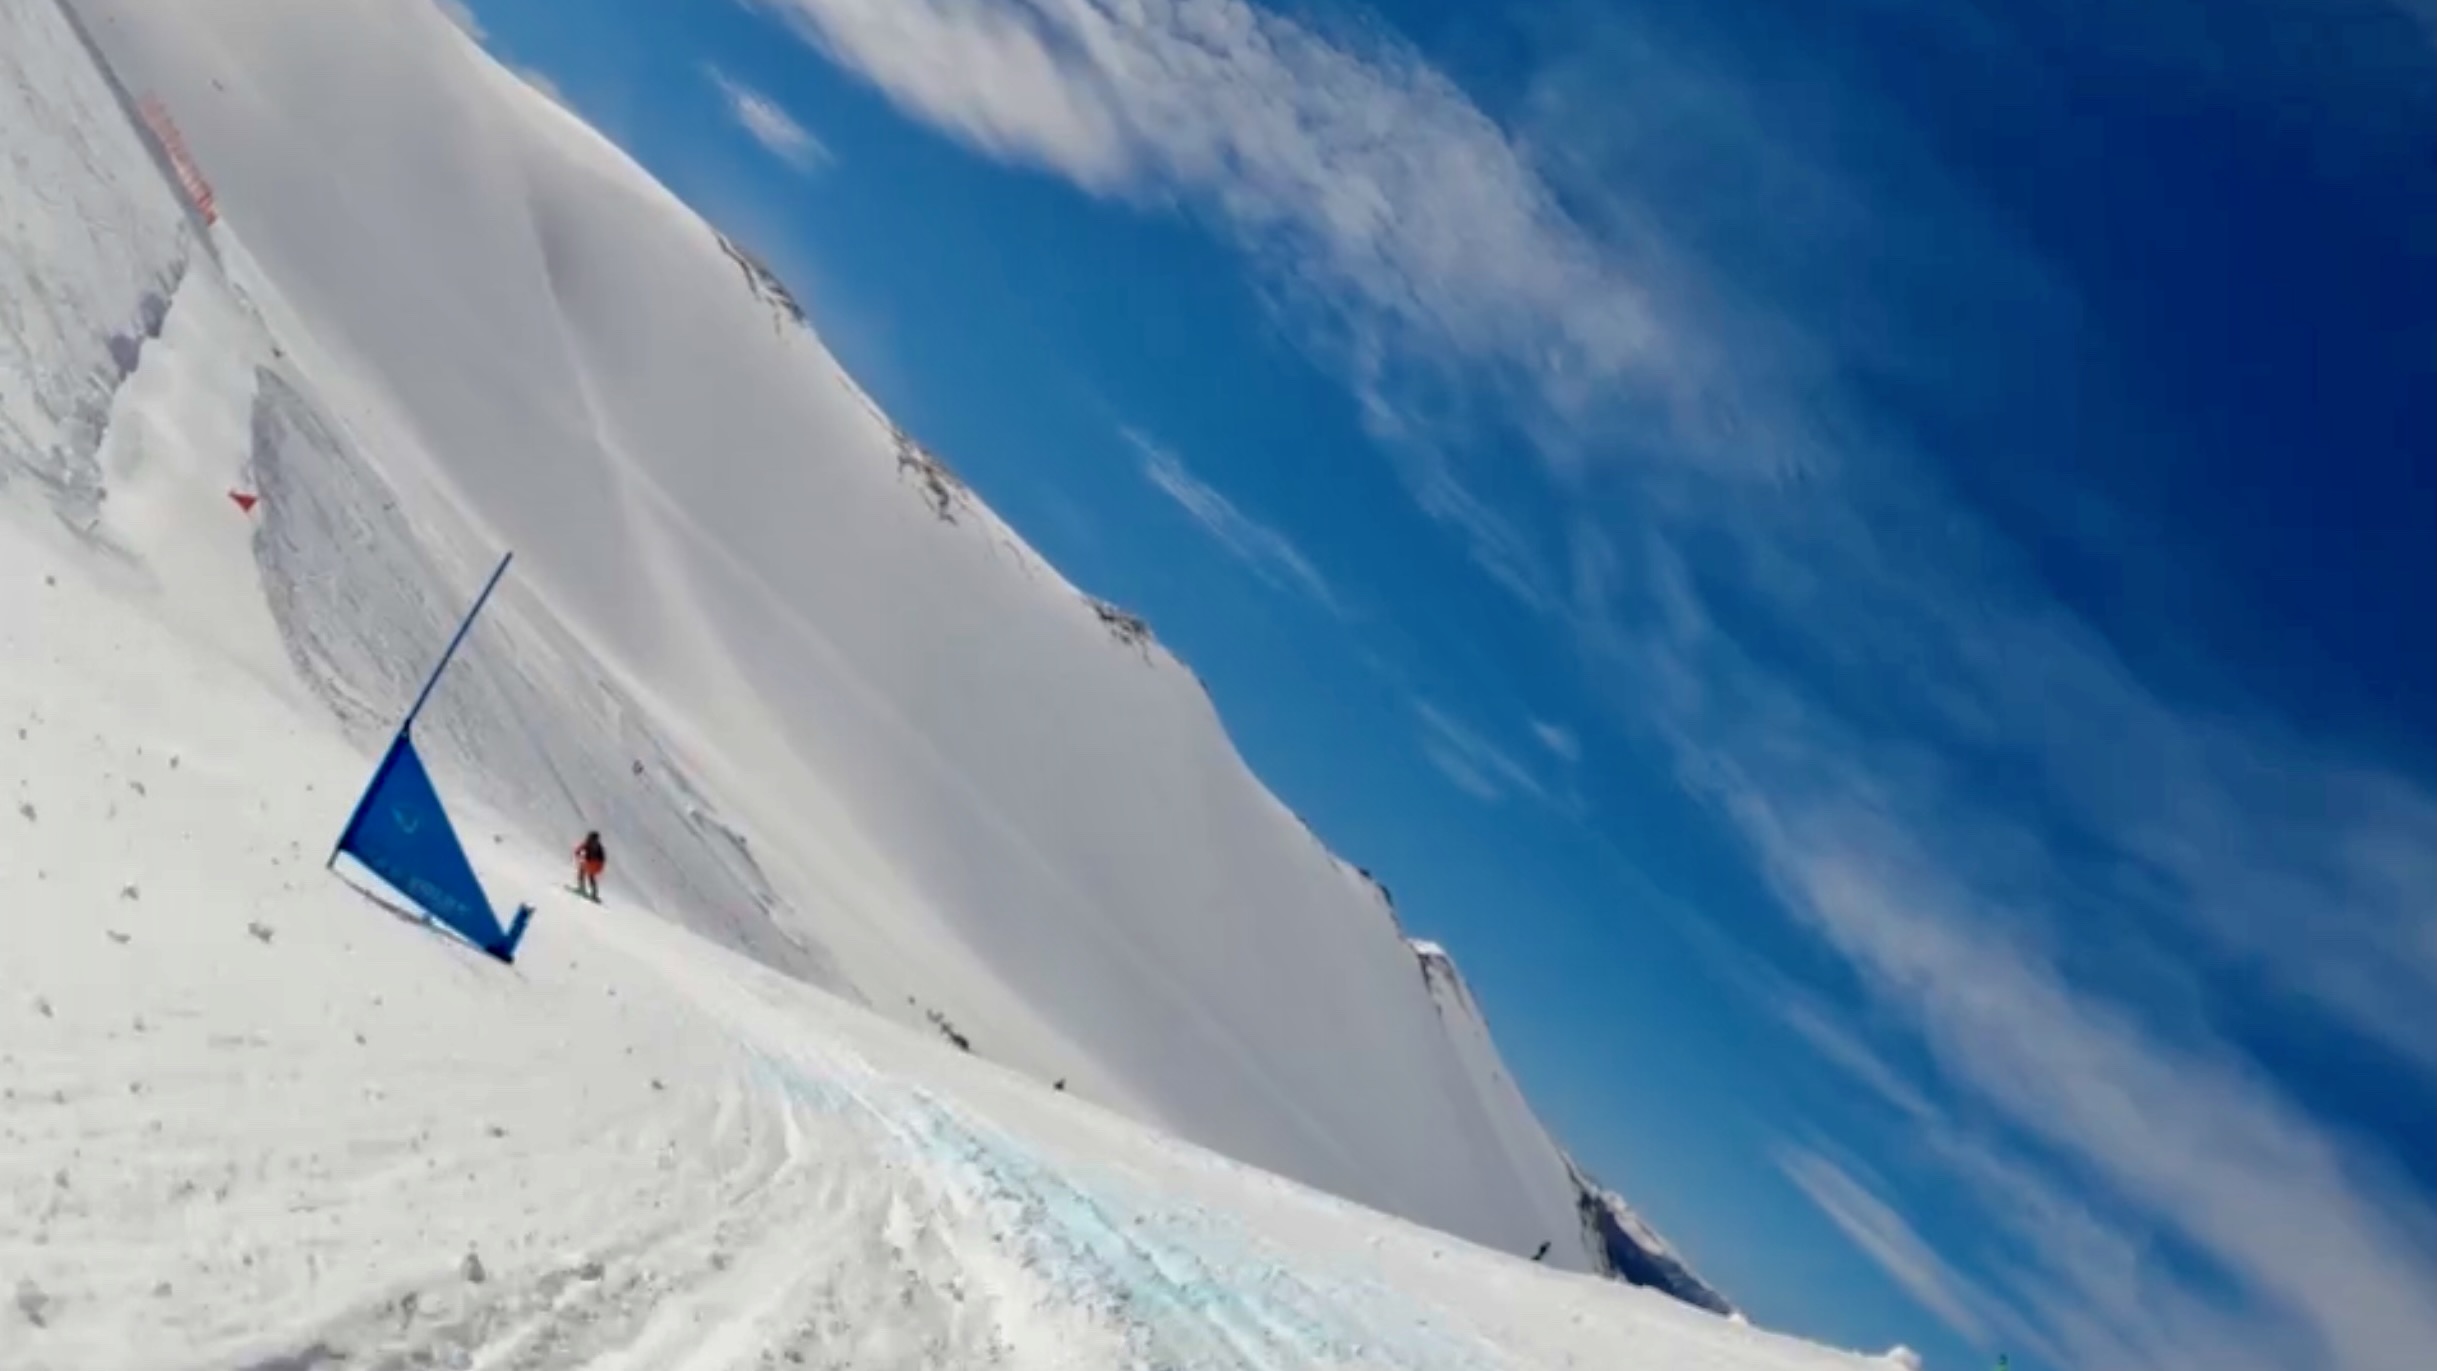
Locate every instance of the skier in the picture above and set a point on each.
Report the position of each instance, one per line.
(590, 858)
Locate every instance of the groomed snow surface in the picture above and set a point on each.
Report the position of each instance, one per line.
(867, 766)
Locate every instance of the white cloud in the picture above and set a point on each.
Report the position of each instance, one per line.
(1559, 740)
(2096, 1288)
(1887, 1239)
(1475, 765)
(1952, 906)
(982, 70)
(2184, 1131)
(1498, 547)
(462, 15)
(1365, 176)
(2088, 1292)
(2215, 855)
(1270, 554)
(541, 81)
(1843, 1049)
(770, 124)
(2082, 1284)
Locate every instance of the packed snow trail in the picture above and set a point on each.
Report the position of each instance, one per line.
(254, 1118)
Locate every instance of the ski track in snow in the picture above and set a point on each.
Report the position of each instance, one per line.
(253, 1119)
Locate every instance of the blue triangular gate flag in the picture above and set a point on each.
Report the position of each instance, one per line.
(401, 834)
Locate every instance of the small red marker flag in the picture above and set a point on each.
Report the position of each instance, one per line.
(244, 501)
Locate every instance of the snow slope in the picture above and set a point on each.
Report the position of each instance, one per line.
(249, 1119)
(831, 713)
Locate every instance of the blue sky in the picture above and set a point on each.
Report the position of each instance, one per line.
(1868, 569)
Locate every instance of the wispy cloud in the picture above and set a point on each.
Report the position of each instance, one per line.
(2082, 1284)
(1887, 1239)
(1843, 667)
(1559, 740)
(1944, 902)
(1841, 1047)
(463, 16)
(542, 81)
(2094, 1286)
(2184, 1131)
(770, 124)
(1362, 175)
(1271, 555)
(1474, 764)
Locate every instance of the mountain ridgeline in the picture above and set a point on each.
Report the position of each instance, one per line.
(1620, 1245)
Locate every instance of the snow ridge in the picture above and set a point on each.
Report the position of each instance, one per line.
(1619, 1243)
